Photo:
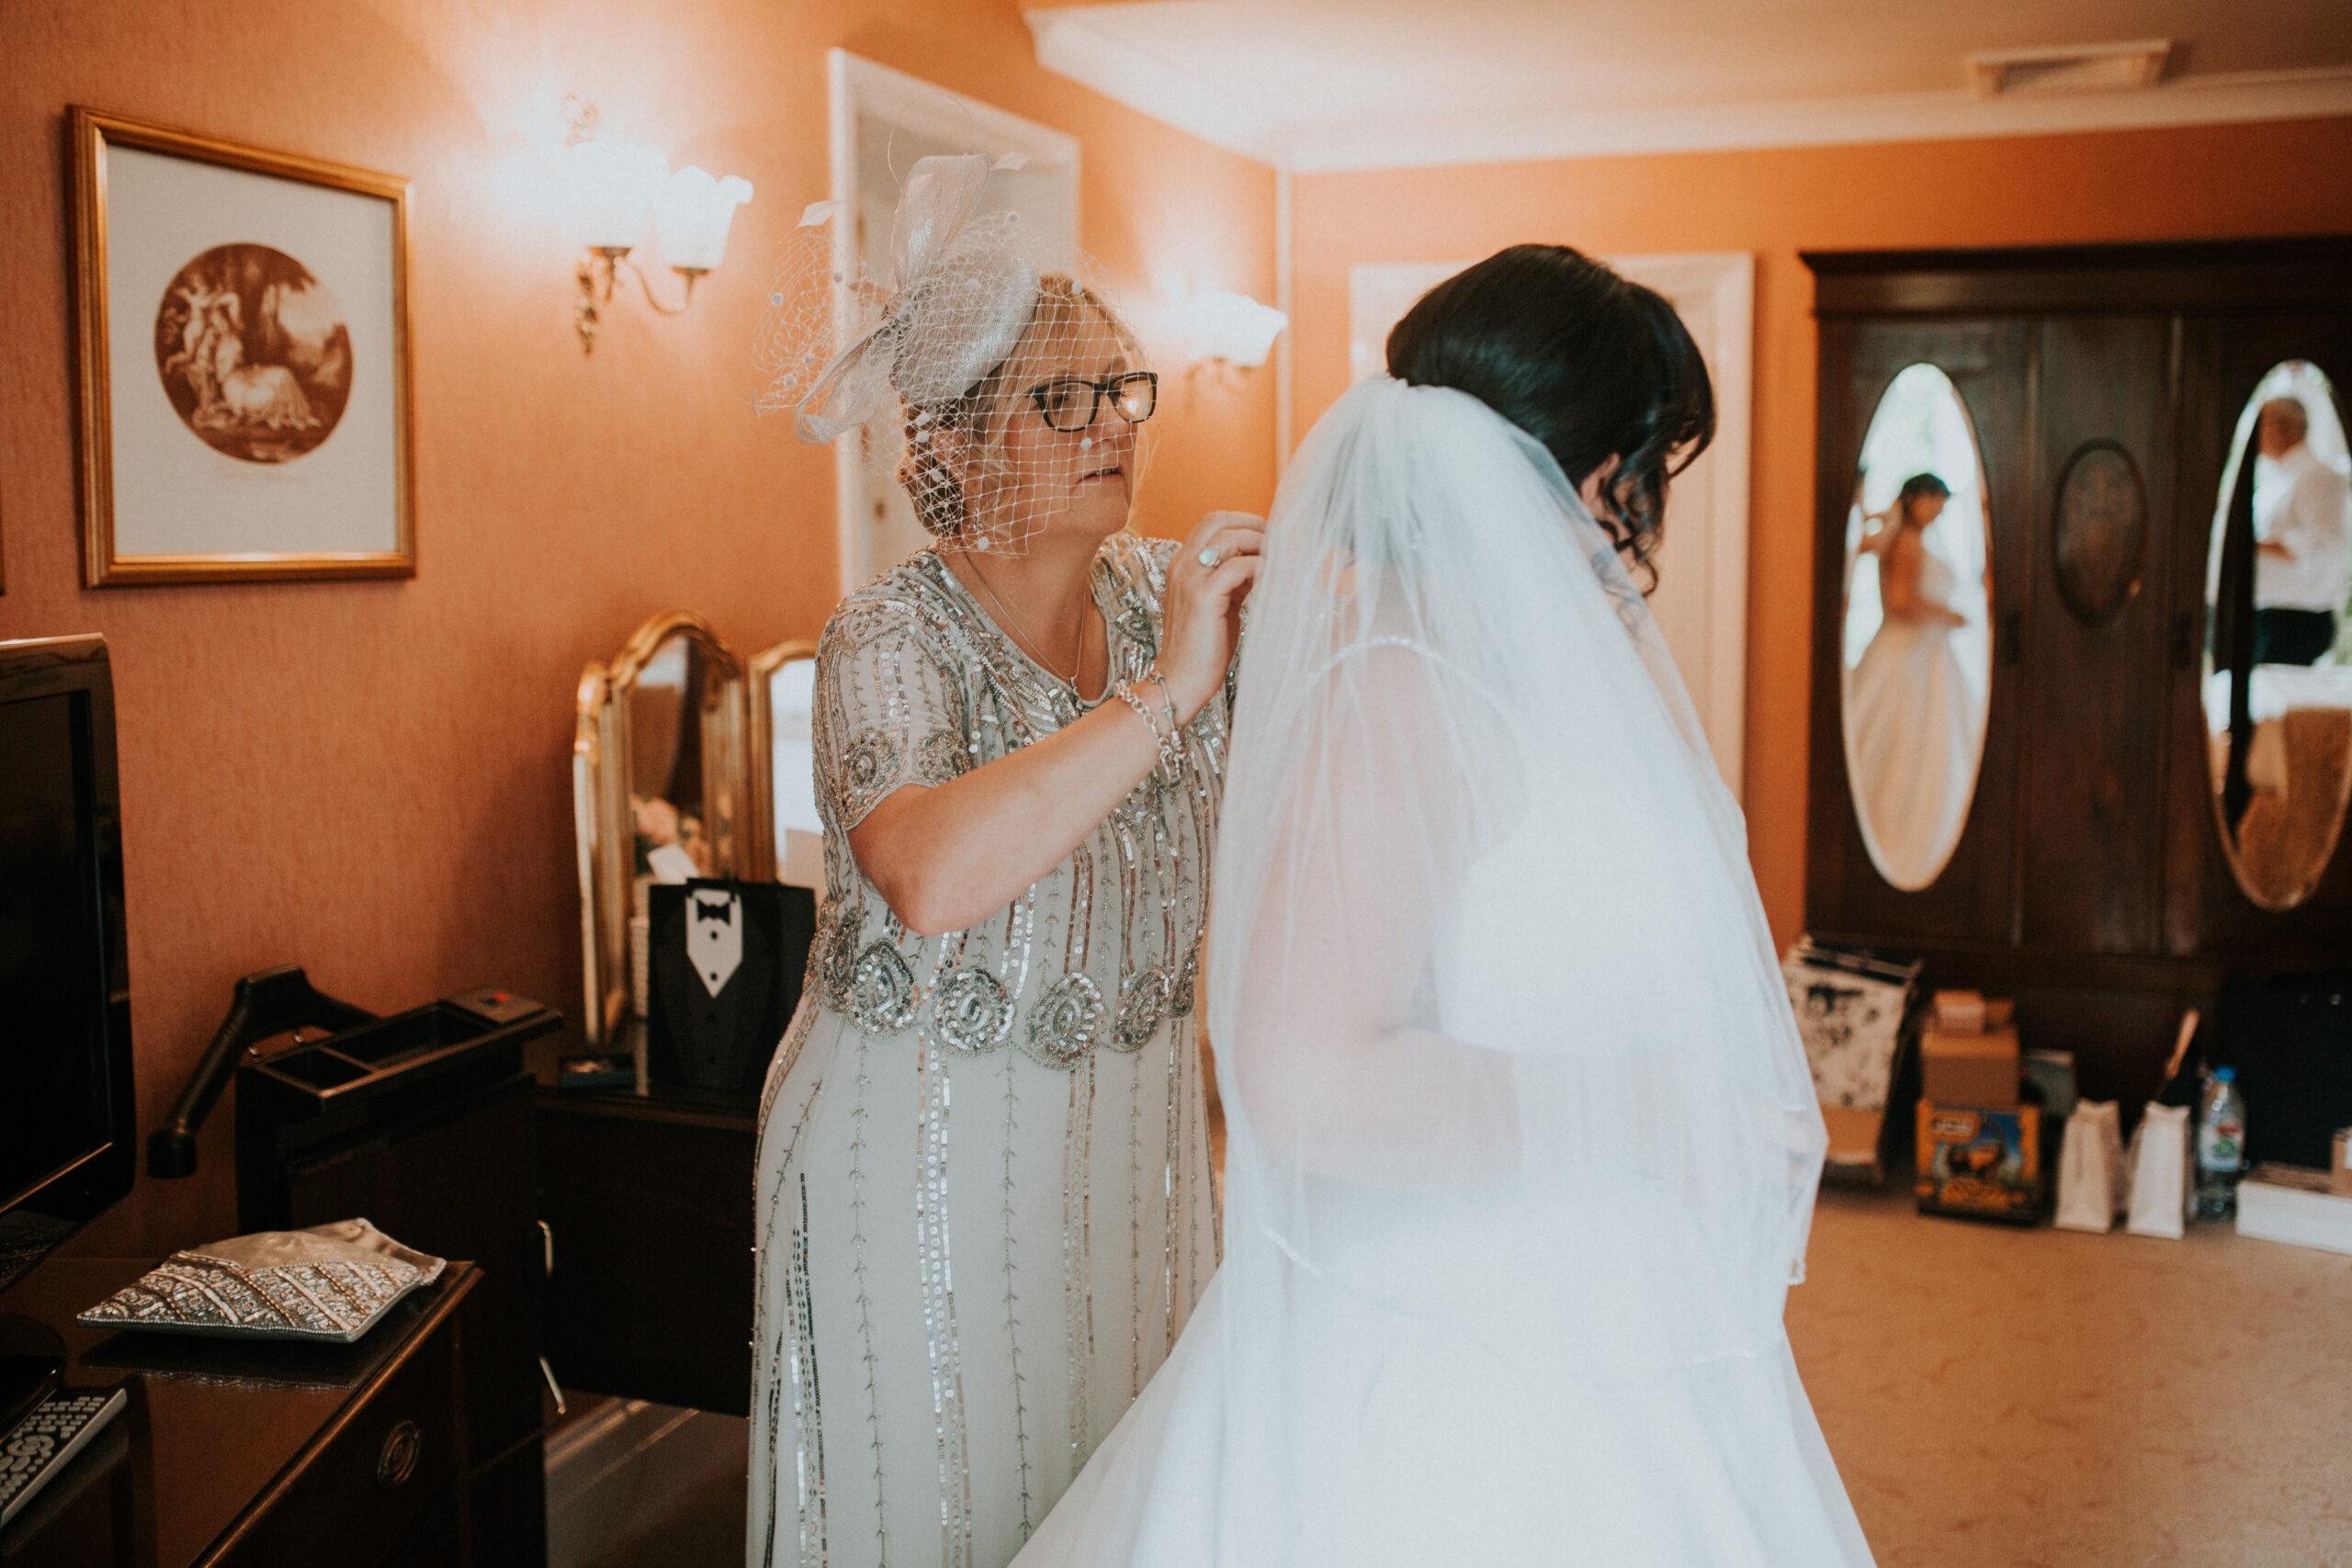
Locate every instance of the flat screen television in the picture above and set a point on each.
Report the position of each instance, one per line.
(68, 1129)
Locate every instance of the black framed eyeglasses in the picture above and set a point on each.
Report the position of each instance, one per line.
(1074, 404)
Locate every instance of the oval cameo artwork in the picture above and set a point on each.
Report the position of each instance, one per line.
(254, 354)
(2101, 535)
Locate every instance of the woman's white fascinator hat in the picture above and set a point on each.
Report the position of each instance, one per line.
(961, 292)
(905, 362)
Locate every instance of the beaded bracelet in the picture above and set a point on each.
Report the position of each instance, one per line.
(1167, 701)
(1170, 757)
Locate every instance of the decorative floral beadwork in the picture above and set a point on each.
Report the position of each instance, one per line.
(1180, 991)
(1143, 1000)
(942, 759)
(1137, 624)
(972, 1011)
(881, 991)
(869, 770)
(916, 684)
(1065, 1023)
(836, 953)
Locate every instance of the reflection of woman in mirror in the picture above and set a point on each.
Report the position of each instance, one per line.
(1911, 716)
(985, 1208)
(2302, 571)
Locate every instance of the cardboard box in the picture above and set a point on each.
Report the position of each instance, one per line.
(1981, 1160)
(2285, 1202)
(1970, 1070)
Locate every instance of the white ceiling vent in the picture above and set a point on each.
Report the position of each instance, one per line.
(2081, 68)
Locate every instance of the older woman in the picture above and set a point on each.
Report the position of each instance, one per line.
(985, 1207)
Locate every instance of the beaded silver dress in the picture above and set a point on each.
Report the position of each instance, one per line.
(985, 1209)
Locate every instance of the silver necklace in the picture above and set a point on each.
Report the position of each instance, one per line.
(1036, 648)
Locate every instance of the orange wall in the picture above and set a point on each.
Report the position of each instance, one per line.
(2203, 182)
(372, 779)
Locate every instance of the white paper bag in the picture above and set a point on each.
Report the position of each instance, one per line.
(2091, 1186)
(2161, 1195)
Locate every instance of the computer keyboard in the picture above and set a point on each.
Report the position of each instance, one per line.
(45, 1441)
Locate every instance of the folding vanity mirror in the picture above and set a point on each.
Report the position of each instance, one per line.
(2277, 673)
(1914, 647)
(658, 793)
(783, 757)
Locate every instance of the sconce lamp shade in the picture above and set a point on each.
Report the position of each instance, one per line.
(612, 185)
(1231, 327)
(693, 212)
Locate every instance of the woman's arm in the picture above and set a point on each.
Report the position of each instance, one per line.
(945, 858)
(1899, 585)
(1331, 1068)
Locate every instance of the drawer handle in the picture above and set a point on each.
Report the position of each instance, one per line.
(404, 1446)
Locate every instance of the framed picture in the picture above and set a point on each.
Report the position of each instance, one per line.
(243, 361)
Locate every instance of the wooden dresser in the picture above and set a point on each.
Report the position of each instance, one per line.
(235, 1454)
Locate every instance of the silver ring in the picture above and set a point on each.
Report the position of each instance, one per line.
(1209, 556)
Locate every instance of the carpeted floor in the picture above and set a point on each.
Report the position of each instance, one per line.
(1998, 1396)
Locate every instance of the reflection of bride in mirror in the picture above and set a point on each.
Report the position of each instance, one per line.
(1911, 715)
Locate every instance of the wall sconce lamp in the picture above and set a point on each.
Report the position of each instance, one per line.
(614, 187)
(1231, 328)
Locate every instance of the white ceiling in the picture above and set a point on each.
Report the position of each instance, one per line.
(1314, 84)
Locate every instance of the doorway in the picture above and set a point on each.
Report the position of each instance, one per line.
(882, 121)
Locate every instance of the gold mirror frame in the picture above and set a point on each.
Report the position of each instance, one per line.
(760, 834)
(602, 774)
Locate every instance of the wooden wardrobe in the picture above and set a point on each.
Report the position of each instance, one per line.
(2090, 879)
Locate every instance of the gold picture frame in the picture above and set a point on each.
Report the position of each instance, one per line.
(690, 686)
(260, 429)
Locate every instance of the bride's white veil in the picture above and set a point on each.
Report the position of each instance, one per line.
(1522, 1148)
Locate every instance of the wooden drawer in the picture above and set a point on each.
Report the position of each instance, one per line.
(376, 1487)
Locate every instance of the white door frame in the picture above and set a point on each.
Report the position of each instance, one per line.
(1716, 290)
(860, 88)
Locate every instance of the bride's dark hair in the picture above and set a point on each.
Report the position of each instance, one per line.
(1588, 363)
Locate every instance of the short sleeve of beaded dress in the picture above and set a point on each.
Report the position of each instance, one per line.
(889, 713)
(1028, 1092)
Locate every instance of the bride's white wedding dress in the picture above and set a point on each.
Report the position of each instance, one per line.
(1522, 1145)
(1916, 721)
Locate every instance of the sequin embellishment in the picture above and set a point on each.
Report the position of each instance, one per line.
(1180, 993)
(1064, 1022)
(881, 992)
(972, 1011)
(1143, 998)
(837, 955)
(869, 769)
(941, 759)
(1135, 623)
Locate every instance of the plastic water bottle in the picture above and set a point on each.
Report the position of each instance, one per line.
(2221, 1146)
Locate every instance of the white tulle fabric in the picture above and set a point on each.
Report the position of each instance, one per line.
(1522, 1148)
(1915, 723)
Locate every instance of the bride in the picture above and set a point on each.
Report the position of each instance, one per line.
(1914, 718)
(1522, 1148)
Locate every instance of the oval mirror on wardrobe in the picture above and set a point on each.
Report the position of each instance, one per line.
(1915, 643)
(2277, 671)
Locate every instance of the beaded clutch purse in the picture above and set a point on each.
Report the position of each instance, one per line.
(328, 1283)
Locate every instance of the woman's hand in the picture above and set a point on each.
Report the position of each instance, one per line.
(1199, 620)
